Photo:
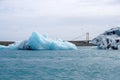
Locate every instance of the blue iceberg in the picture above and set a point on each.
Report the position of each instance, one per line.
(40, 42)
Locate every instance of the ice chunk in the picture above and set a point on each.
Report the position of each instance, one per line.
(38, 42)
(109, 39)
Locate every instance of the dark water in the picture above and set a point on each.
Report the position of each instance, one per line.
(86, 63)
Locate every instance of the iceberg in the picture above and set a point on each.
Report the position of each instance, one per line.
(108, 40)
(40, 42)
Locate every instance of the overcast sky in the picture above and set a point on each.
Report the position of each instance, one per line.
(65, 19)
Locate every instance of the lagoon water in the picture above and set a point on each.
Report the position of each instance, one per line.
(86, 63)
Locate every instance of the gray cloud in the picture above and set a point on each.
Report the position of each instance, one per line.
(65, 19)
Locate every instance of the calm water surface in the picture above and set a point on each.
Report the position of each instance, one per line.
(86, 63)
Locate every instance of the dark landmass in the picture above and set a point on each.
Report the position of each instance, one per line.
(6, 43)
(82, 43)
(77, 43)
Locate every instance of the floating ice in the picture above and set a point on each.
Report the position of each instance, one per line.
(38, 42)
(109, 39)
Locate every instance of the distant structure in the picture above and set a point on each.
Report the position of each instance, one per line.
(85, 42)
(87, 37)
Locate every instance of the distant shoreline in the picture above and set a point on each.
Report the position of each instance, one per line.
(82, 43)
(6, 43)
(77, 43)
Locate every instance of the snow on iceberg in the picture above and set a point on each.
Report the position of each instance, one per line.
(109, 39)
(38, 42)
